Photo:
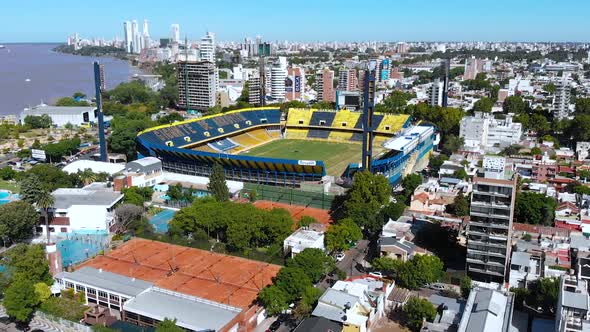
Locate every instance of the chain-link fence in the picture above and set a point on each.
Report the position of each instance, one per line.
(291, 196)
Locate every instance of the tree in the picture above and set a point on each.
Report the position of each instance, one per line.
(314, 262)
(38, 122)
(452, 144)
(459, 207)
(30, 261)
(460, 174)
(87, 176)
(387, 265)
(550, 87)
(430, 268)
(67, 101)
(168, 325)
(126, 214)
(43, 291)
(79, 95)
(7, 173)
(465, 285)
(217, 185)
(45, 202)
(305, 221)
(170, 118)
(394, 210)
(580, 127)
(17, 220)
(536, 151)
(514, 104)
(583, 106)
(418, 309)
(544, 293)
(341, 234)
(534, 208)
(274, 299)
(368, 194)
(410, 183)
(30, 189)
(20, 299)
(484, 104)
(293, 281)
(51, 177)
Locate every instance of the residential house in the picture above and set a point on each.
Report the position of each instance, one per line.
(487, 310)
(302, 239)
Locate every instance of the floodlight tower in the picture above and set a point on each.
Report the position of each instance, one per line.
(100, 87)
(368, 109)
(446, 69)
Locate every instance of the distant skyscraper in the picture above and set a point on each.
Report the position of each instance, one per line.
(128, 36)
(207, 47)
(145, 34)
(175, 33)
(472, 68)
(435, 93)
(278, 74)
(562, 98)
(136, 44)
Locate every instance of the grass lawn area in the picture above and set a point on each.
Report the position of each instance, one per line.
(9, 186)
(336, 156)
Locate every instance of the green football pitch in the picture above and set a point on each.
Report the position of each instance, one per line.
(336, 156)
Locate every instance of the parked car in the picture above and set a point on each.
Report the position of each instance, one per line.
(274, 326)
(376, 274)
(437, 286)
(340, 256)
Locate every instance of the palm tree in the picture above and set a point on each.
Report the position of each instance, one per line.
(45, 202)
(87, 176)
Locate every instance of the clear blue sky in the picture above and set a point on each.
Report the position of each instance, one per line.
(304, 20)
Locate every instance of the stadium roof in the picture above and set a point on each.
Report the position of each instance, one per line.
(220, 278)
(95, 166)
(106, 280)
(190, 312)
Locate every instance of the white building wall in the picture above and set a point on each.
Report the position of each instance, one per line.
(89, 217)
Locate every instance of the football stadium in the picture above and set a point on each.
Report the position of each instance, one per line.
(260, 145)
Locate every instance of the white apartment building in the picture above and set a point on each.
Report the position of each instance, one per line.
(482, 132)
(561, 99)
(207, 47)
(278, 74)
(435, 93)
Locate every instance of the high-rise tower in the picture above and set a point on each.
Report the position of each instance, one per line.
(145, 34)
(128, 36)
(207, 47)
(175, 33)
(136, 44)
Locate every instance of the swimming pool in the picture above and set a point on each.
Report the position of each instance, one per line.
(78, 247)
(4, 194)
(160, 221)
(4, 201)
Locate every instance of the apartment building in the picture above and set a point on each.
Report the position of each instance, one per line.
(435, 93)
(490, 228)
(572, 305)
(197, 84)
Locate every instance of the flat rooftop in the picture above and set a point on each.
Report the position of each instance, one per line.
(106, 280)
(95, 166)
(66, 197)
(215, 277)
(190, 312)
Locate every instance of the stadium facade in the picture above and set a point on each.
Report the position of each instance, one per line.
(194, 146)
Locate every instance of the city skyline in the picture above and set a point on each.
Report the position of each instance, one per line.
(502, 20)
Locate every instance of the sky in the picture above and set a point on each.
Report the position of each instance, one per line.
(302, 20)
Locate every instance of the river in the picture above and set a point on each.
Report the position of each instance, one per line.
(31, 74)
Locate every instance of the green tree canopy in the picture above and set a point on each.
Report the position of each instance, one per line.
(20, 299)
(459, 207)
(293, 281)
(17, 220)
(465, 285)
(416, 310)
(29, 260)
(484, 104)
(410, 182)
(274, 299)
(514, 104)
(168, 325)
(314, 262)
(36, 122)
(534, 208)
(217, 185)
(341, 234)
(368, 194)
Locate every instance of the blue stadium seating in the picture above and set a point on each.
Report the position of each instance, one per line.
(223, 145)
(192, 132)
(318, 133)
(323, 119)
(357, 137)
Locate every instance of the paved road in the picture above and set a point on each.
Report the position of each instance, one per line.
(354, 259)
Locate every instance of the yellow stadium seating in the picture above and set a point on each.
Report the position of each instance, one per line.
(345, 116)
(299, 117)
(274, 133)
(391, 123)
(297, 133)
(205, 148)
(260, 134)
(340, 135)
(245, 140)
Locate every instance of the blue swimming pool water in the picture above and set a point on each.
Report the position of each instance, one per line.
(4, 194)
(4, 201)
(16, 196)
(160, 221)
(78, 247)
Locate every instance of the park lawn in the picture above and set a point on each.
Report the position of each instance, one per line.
(9, 186)
(336, 156)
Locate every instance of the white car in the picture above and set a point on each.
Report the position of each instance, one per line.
(376, 274)
(438, 287)
(340, 256)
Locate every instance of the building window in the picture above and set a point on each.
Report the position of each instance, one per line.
(79, 288)
(102, 294)
(114, 297)
(301, 122)
(63, 230)
(69, 284)
(344, 124)
(263, 120)
(322, 122)
(387, 128)
(91, 291)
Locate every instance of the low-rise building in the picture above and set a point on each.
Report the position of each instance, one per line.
(302, 239)
(487, 310)
(62, 115)
(572, 305)
(90, 209)
(523, 269)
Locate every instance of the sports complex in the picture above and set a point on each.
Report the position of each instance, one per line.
(263, 146)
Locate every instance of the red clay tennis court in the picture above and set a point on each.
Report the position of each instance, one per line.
(296, 211)
(216, 277)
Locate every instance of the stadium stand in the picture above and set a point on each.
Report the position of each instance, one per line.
(357, 137)
(260, 135)
(275, 134)
(246, 140)
(392, 123)
(293, 133)
(345, 119)
(223, 145)
(299, 117)
(322, 119)
(336, 135)
(205, 148)
(318, 133)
